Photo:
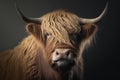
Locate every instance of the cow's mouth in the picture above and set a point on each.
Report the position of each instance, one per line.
(63, 64)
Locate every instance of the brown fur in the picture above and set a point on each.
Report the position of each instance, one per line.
(30, 60)
(21, 63)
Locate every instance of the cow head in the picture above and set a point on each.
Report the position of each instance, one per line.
(63, 35)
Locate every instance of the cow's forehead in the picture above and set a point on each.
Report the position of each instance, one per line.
(61, 19)
(60, 23)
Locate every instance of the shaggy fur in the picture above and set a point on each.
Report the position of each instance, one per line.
(59, 24)
(30, 60)
(22, 62)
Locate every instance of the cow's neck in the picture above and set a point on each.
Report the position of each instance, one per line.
(26, 52)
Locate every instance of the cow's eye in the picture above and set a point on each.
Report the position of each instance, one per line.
(74, 37)
(47, 35)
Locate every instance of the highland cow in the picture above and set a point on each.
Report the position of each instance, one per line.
(53, 49)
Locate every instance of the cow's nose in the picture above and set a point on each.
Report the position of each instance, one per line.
(61, 54)
(63, 59)
(64, 53)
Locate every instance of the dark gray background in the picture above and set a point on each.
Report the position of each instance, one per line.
(101, 60)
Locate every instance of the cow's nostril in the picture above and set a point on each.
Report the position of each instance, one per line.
(57, 53)
(68, 53)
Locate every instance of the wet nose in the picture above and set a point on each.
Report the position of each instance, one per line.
(62, 54)
(63, 59)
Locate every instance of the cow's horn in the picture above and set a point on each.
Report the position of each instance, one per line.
(27, 19)
(94, 20)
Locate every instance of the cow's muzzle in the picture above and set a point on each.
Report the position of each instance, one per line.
(64, 59)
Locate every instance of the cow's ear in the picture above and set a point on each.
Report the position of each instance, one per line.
(88, 30)
(33, 29)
